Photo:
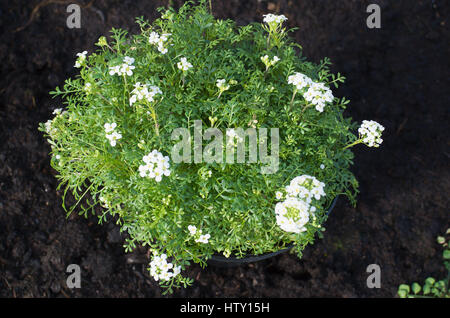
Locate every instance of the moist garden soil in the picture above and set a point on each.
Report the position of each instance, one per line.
(396, 75)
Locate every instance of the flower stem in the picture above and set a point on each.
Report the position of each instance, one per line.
(156, 122)
(306, 106)
(292, 99)
(353, 143)
(268, 40)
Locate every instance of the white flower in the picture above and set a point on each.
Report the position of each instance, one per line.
(267, 62)
(222, 85)
(153, 38)
(158, 173)
(299, 80)
(81, 58)
(128, 60)
(48, 127)
(203, 238)
(57, 111)
(110, 127)
(164, 37)
(176, 270)
(113, 137)
(322, 166)
(133, 99)
(192, 229)
(184, 65)
(87, 87)
(127, 69)
(370, 132)
(162, 49)
(114, 70)
(279, 195)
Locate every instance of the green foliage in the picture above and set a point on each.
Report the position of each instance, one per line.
(234, 203)
(431, 287)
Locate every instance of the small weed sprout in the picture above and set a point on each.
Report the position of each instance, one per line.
(432, 288)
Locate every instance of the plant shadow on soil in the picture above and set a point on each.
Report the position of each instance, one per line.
(395, 75)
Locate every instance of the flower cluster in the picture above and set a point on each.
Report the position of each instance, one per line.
(59, 111)
(104, 202)
(184, 65)
(144, 91)
(299, 80)
(156, 166)
(160, 268)
(48, 127)
(306, 187)
(111, 134)
(317, 93)
(273, 19)
(159, 40)
(293, 213)
(126, 67)
(51, 130)
(199, 237)
(81, 58)
(370, 132)
(267, 62)
(87, 88)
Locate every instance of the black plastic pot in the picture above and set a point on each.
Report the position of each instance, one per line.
(222, 261)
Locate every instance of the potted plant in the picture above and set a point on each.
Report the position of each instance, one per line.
(204, 138)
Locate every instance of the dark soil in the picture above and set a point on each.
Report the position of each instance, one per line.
(396, 75)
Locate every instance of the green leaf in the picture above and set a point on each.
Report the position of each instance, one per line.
(446, 254)
(426, 289)
(404, 287)
(415, 288)
(402, 293)
(430, 281)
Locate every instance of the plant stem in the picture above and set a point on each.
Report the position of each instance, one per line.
(126, 90)
(304, 108)
(268, 40)
(353, 143)
(292, 99)
(153, 112)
